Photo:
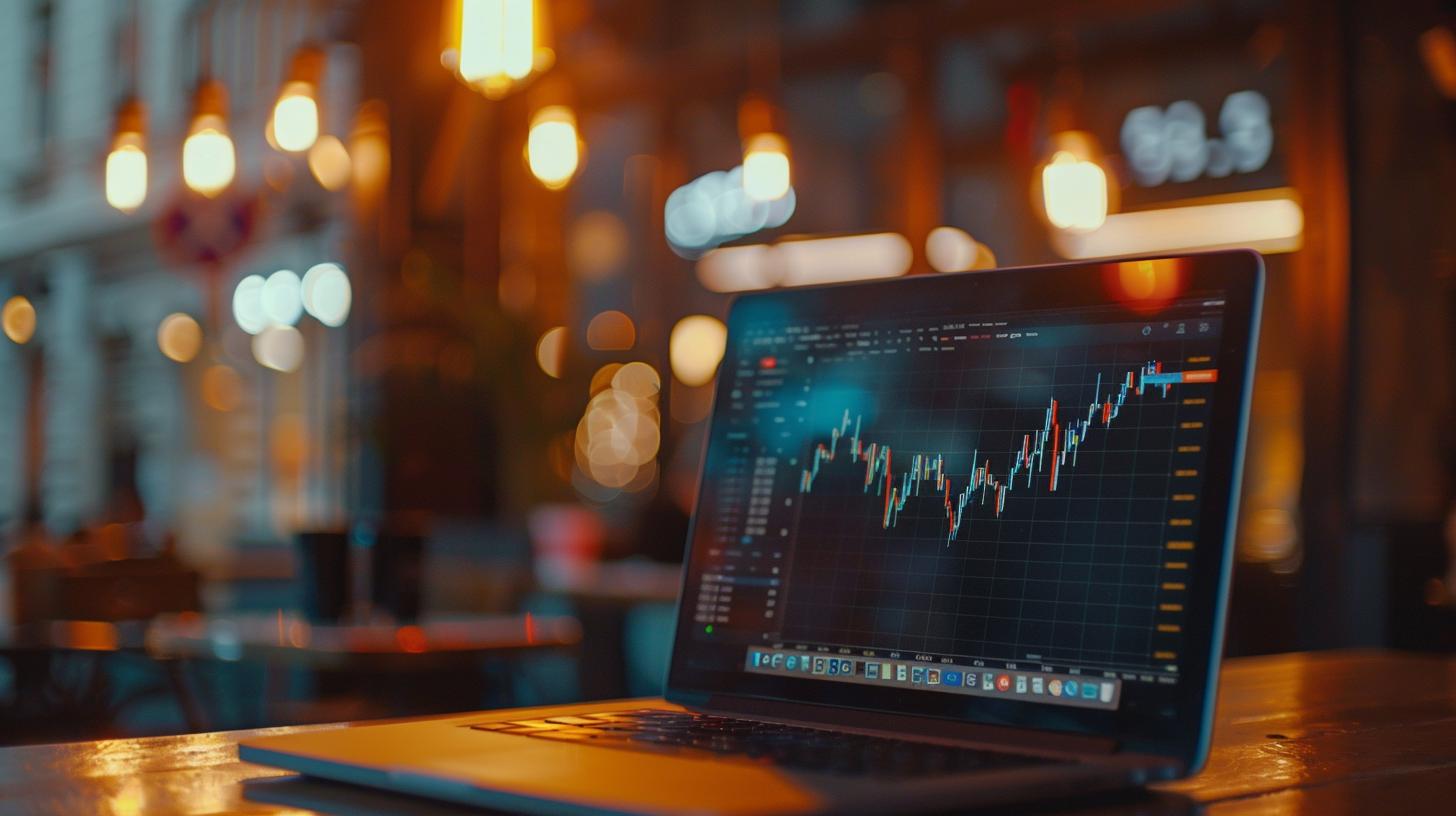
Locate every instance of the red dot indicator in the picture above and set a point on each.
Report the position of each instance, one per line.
(768, 362)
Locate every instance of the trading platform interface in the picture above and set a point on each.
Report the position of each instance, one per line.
(1004, 505)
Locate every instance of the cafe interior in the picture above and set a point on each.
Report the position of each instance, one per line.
(358, 355)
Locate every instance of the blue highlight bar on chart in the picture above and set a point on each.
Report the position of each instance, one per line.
(1081, 691)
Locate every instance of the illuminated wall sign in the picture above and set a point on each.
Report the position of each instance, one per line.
(1172, 144)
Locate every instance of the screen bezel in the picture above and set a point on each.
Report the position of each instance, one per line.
(1182, 724)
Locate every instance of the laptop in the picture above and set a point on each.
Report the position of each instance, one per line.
(960, 540)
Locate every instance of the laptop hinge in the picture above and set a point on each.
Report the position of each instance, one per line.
(1030, 738)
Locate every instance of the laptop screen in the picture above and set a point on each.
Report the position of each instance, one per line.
(978, 496)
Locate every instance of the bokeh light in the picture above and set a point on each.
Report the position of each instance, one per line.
(17, 318)
(329, 162)
(766, 167)
(179, 337)
(1074, 192)
(248, 304)
(279, 347)
(369, 152)
(597, 245)
(602, 380)
(552, 148)
(326, 294)
(714, 209)
(222, 388)
(611, 331)
(638, 379)
(296, 118)
(1145, 286)
(498, 44)
(208, 159)
(126, 173)
(620, 432)
(949, 249)
(695, 348)
(282, 297)
(551, 351)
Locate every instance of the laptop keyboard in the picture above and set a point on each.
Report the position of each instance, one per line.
(790, 746)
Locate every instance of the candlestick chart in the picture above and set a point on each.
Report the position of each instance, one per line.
(1043, 453)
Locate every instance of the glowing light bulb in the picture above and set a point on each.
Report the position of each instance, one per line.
(552, 149)
(296, 118)
(766, 174)
(1075, 193)
(126, 164)
(208, 160)
(498, 45)
(126, 173)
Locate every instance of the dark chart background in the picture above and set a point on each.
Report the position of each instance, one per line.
(1066, 576)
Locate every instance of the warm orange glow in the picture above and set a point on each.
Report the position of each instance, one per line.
(411, 639)
(806, 261)
(1438, 51)
(843, 258)
(369, 152)
(1270, 221)
(328, 161)
(618, 437)
(1145, 286)
(222, 388)
(597, 245)
(96, 636)
(295, 121)
(179, 337)
(500, 43)
(638, 379)
(695, 348)
(766, 174)
(208, 159)
(288, 444)
(1074, 192)
(553, 149)
(17, 318)
(517, 288)
(611, 331)
(126, 173)
(602, 380)
(551, 352)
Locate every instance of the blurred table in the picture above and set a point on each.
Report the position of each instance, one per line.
(1303, 733)
(291, 640)
(614, 582)
(391, 654)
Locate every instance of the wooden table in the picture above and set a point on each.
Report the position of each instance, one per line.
(1347, 732)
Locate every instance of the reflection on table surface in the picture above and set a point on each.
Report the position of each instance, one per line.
(1298, 733)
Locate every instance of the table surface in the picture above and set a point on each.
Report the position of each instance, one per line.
(1300, 733)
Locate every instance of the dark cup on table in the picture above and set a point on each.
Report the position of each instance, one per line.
(324, 577)
(397, 571)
